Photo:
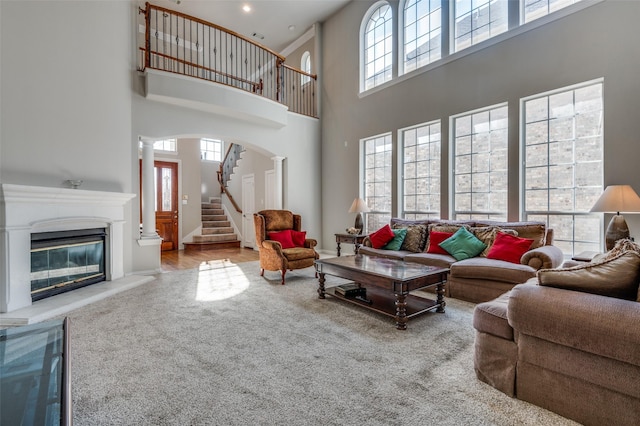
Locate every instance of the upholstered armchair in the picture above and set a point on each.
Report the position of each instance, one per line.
(273, 257)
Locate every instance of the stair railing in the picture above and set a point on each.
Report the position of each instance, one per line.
(226, 170)
(182, 44)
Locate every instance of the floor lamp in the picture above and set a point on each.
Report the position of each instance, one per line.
(616, 199)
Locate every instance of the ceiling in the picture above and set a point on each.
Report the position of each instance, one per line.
(281, 22)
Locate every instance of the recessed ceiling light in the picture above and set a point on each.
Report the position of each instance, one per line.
(292, 27)
(246, 8)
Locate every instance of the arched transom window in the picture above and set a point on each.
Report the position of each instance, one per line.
(378, 46)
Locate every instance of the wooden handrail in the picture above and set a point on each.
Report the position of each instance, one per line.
(224, 190)
(289, 67)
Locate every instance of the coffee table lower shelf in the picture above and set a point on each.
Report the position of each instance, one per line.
(385, 303)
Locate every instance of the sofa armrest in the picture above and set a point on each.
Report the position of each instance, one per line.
(545, 257)
(310, 243)
(367, 242)
(596, 324)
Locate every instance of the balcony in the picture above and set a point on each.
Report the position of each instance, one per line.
(173, 42)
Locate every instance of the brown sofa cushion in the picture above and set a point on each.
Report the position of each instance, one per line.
(534, 230)
(493, 270)
(491, 317)
(614, 277)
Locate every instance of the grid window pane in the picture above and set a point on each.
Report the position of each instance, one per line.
(480, 164)
(534, 9)
(211, 149)
(563, 170)
(478, 20)
(378, 45)
(422, 33)
(377, 181)
(421, 148)
(166, 145)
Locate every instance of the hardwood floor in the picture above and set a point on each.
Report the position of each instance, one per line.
(175, 260)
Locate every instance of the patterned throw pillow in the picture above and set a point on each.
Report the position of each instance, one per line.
(415, 239)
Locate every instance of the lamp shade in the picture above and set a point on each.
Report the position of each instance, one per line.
(358, 206)
(616, 199)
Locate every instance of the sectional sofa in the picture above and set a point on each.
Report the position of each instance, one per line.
(479, 278)
(568, 340)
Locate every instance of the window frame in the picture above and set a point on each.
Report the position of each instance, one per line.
(453, 212)
(305, 65)
(526, 214)
(522, 11)
(363, 46)
(386, 215)
(402, 212)
(402, 27)
(215, 141)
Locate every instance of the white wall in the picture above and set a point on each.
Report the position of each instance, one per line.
(66, 95)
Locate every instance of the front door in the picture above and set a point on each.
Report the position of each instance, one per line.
(166, 189)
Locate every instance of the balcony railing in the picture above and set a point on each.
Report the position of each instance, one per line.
(174, 42)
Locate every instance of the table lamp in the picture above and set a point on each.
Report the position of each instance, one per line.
(359, 206)
(616, 199)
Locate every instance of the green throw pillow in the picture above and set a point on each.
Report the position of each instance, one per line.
(396, 242)
(463, 245)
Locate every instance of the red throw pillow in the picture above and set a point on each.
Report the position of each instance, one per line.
(509, 248)
(298, 237)
(435, 238)
(381, 237)
(283, 237)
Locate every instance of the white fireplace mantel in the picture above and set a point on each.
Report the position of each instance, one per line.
(31, 209)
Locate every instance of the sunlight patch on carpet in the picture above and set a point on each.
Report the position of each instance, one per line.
(219, 281)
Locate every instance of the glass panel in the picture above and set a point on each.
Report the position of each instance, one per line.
(32, 370)
(167, 189)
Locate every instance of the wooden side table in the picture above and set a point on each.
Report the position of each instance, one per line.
(355, 239)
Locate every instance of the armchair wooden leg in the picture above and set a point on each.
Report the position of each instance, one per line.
(284, 271)
(262, 272)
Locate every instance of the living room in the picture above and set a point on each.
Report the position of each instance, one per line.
(70, 93)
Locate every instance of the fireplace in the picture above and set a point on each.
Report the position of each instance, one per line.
(32, 217)
(66, 260)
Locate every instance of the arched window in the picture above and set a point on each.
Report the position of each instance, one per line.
(377, 46)
(305, 65)
(421, 34)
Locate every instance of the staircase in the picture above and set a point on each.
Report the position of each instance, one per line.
(217, 232)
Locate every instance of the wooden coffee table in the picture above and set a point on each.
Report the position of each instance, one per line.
(388, 283)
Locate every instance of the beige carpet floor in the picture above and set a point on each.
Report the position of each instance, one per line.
(223, 346)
